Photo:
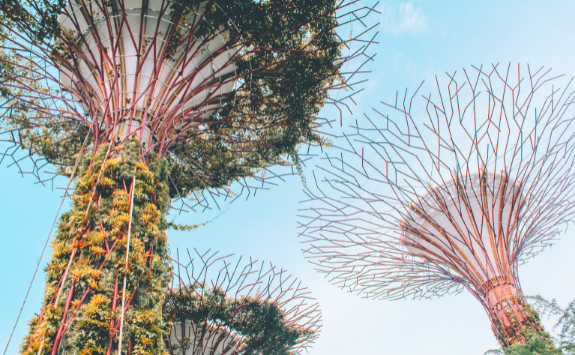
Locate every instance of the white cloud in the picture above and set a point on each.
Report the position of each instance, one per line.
(405, 20)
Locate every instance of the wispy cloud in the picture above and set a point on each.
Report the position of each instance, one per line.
(406, 19)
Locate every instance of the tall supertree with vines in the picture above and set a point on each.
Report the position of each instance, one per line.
(451, 189)
(141, 103)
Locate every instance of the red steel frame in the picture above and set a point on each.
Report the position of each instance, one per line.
(249, 281)
(393, 170)
(66, 95)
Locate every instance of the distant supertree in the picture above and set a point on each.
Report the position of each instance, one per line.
(236, 306)
(449, 191)
(148, 102)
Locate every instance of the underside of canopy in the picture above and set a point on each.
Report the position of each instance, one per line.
(189, 338)
(467, 225)
(132, 64)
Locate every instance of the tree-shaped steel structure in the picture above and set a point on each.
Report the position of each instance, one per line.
(238, 307)
(219, 89)
(146, 102)
(449, 190)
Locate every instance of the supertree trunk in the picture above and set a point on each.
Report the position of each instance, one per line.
(92, 294)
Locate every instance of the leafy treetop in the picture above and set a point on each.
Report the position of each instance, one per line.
(288, 58)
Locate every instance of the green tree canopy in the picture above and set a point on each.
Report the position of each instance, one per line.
(261, 103)
(256, 327)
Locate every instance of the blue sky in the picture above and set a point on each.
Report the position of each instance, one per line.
(418, 40)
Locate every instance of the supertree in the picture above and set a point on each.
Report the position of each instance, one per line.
(449, 190)
(141, 103)
(237, 307)
(220, 305)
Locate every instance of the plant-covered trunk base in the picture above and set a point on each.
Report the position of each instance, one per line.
(519, 330)
(87, 274)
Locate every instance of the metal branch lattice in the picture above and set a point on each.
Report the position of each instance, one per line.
(450, 190)
(158, 92)
(200, 96)
(208, 277)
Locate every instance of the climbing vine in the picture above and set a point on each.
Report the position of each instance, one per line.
(83, 297)
(526, 337)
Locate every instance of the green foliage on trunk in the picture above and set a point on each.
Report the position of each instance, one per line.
(87, 314)
(527, 337)
(537, 343)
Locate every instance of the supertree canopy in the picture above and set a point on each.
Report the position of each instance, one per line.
(144, 102)
(237, 307)
(450, 190)
(219, 89)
